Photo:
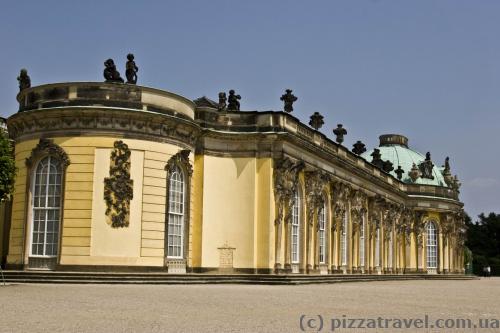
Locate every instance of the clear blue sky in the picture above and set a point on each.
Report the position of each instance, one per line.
(426, 69)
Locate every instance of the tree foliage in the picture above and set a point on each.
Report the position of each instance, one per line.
(483, 238)
(7, 167)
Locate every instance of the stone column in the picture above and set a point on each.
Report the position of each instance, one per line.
(308, 247)
(287, 244)
(413, 252)
(278, 225)
(443, 260)
(349, 246)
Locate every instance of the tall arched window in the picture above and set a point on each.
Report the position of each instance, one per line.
(343, 241)
(176, 193)
(321, 234)
(295, 241)
(362, 242)
(46, 214)
(431, 245)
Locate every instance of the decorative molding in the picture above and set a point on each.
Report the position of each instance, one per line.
(403, 224)
(358, 208)
(340, 198)
(315, 185)
(285, 177)
(460, 228)
(418, 227)
(118, 187)
(391, 213)
(134, 123)
(375, 209)
(47, 147)
(180, 159)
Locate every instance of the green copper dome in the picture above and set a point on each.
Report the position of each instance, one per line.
(394, 147)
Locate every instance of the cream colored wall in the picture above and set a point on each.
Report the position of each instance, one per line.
(16, 238)
(140, 244)
(229, 201)
(116, 245)
(264, 224)
(197, 210)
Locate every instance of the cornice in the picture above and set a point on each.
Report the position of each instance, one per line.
(75, 121)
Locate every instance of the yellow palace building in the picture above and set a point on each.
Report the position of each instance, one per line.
(115, 176)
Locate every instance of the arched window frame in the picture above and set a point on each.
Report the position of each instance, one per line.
(46, 148)
(178, 163)
(362, 232)
(322, 236)
(377, 247)
(295, 234)
(344, 239)
(432, 255)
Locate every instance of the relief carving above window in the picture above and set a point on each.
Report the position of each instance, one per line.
(47, 147)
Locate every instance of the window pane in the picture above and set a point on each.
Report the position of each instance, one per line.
(46, 203)
(175, 239)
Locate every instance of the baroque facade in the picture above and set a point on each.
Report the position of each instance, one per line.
(113, 176)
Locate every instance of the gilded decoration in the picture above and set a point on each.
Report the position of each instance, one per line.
(118, 187)
(286, 178)
(47, 147)
(315, 184)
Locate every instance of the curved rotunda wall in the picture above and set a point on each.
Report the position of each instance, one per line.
(86, 238)
(98, 94)
(85, 121)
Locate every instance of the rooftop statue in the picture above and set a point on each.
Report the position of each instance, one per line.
(447, 164)
(387, 166)
(414, 173)
(233, 103)
(448, 178)
(340, 132)
(222, 101)
(131, 69)
(288, 98)
(24, 80)
(399, 172)
(316, 121)
(377, 158)
(426, 167)
(110, 72)
(358, 148)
